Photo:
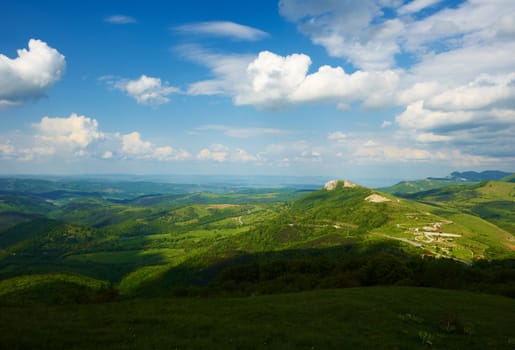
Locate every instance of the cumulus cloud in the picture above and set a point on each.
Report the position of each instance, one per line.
(120, 19)
(7, 150)
(145, 90)
(221, 153)
(375, 88)
(31, 74)
(272, 78)
(216, 152)
(223, 29)
(134, 147)
(74, 132)
(240, 155)
(272, 81)
(71, 137)
(78, 136)
(337, 136)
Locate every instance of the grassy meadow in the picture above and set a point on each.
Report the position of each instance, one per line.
(375, 317)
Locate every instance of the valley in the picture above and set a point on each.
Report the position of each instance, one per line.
(103, 245)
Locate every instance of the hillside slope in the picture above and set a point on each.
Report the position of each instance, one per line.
(404, 188)
(355, 318)
(490, 200)
(140, 247)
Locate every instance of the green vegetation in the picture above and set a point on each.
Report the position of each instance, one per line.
(127, 249)
(410, 187)
(156, 242)
(456, 178)
(356, 318)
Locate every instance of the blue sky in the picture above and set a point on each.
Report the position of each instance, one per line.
(366, 90)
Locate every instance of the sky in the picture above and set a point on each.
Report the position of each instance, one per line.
(362, 90)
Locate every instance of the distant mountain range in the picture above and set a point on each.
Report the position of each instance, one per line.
(455, 178)
(475, 176)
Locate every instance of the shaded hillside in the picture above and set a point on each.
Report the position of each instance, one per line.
(474, 176)
(158, 242)
(355, 318)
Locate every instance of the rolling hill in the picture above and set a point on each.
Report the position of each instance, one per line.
(455, 178)
(157, 242)
(159, 268)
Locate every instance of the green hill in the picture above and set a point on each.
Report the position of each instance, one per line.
(49, 288)
(490, 200)
(151, 247)
(404, 188)
(409, 187)
(509, 178)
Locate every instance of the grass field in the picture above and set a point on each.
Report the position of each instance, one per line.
(355, 318)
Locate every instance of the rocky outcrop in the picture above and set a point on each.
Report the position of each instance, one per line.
(331, 185)
(375, 198)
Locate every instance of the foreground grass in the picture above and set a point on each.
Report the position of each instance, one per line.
(356, 318)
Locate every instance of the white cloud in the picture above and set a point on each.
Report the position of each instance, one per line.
(348, 29)
(416, 6)
(386, 123)
(464, 64)
(243, 133)
(240, 155)
(120, 19)
(7, 150)
(31, 74)
(289, 154)
(470, 23)
(133, 147)
(337, 136)
(28, 154)
(375, 88)
(226, 69)
(223, 29)
(145, 90)
(216, 152)
(72, 133)
(484, 91)
(272, 81)
(68, 139)
(272, 78)
(107, 155)
(388, 153)
(419, 92)
(221, 153)
(431, 137)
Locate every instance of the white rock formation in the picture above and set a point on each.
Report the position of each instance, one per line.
(375, 198)
(331, 185)
(349, 184)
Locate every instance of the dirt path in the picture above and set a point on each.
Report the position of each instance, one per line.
(405, 240)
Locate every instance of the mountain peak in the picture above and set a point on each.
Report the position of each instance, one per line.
(331, 185)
